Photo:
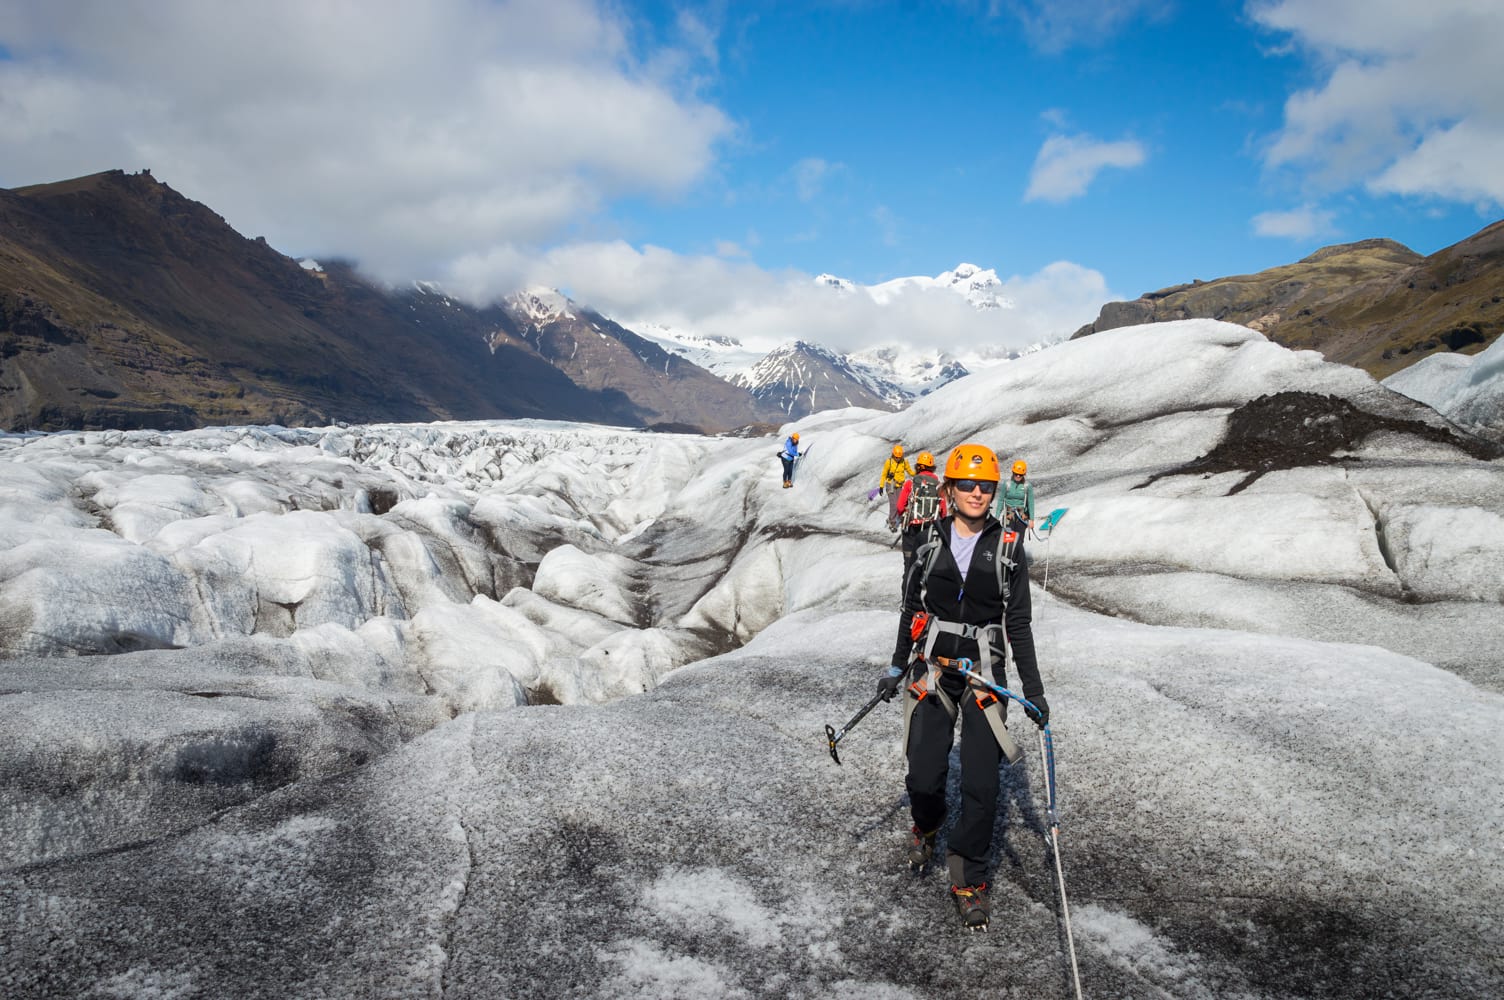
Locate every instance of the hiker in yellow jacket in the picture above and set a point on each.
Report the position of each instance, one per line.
(896, 472)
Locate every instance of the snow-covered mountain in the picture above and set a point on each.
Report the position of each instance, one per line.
(893, 374)
(905, 374)
(601, 355)
(976, 285)
(799, 379)
(725, 356)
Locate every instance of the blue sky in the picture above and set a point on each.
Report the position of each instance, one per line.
(697, 164)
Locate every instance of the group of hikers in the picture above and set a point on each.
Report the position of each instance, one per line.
(1013, 503)
(966, 613)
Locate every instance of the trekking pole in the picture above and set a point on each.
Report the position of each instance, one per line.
(832, 737)
(1050, 534)
(1047, 761)
(1047, 758)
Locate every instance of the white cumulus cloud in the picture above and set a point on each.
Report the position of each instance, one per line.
(1409, 102)
(728, 297)
(406, 134)
(1304, 223)
(1067, 165)
(1052, 26)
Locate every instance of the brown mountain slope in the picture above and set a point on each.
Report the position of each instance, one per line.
(1376, 304)
(124, 304)
(600, 354)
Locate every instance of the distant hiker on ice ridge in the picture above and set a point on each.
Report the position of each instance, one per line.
(896, 472)
(789, 455)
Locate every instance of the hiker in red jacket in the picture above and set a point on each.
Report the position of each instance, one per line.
(920, 504)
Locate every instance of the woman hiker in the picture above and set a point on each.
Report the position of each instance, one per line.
(969, 595)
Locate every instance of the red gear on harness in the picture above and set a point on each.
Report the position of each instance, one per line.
(920, 622)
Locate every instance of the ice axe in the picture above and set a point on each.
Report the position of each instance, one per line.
(832, 737)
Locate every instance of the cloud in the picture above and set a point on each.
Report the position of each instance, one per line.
(810, 175)
(1304, 223)
(478, 143)
(1052, 26)
(887, 225)
(732, 297)
(1409, 103)
(408, 134)
(1066, 165)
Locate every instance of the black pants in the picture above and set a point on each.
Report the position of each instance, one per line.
(931, 732)
(913, 537)
(788, 469)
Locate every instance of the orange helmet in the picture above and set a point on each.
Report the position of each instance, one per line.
(898, 451)
(1020, 468)
(795, 437)
(924, 461)
(972, 461)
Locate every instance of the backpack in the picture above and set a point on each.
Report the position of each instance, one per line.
(924, 500)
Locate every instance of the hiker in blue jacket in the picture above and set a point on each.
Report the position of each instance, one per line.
(789, 455)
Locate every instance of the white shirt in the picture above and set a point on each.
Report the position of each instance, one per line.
(962, 548)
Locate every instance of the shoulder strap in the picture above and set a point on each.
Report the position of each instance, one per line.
(924, 561)
(1004, 558)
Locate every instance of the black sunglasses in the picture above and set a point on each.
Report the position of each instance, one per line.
(967, 485)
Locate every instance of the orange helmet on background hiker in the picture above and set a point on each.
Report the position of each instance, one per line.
(972, 461)
(1020, 468)
(925, 461)
(794, 437)
(898, 451)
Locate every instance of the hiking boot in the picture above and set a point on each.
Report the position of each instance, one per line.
(921, 847)
(971, 903)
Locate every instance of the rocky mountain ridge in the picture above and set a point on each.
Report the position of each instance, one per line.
(124, 304)
(1374, 304)
(598, 354)
(800, 378)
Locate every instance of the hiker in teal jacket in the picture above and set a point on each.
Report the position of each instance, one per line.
(1016, 500)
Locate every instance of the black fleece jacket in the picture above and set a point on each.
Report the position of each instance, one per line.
(979, 602)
